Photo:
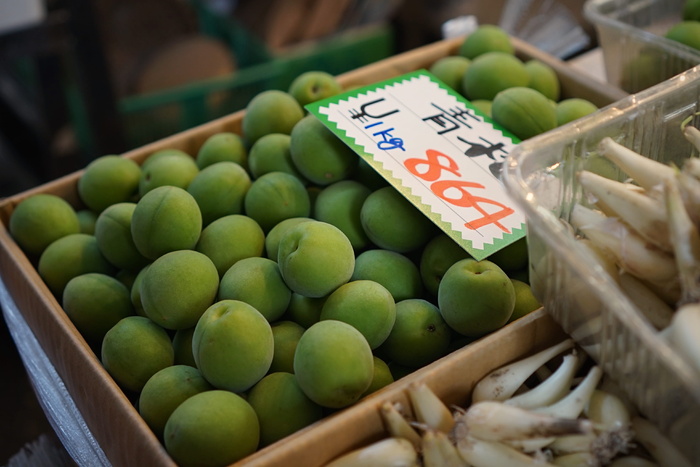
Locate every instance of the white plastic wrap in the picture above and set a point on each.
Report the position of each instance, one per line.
(60, 410)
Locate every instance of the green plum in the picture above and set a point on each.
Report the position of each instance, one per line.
(39, 220)
(230, 239)
(276, 196)
(224, 146)
(219, 190)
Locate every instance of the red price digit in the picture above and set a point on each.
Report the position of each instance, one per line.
(433, 171)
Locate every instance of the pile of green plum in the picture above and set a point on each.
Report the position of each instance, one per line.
(523, 97)
(242, 293)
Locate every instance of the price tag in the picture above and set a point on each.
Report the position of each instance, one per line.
(438, 150)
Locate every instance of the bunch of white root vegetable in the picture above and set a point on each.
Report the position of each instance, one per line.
(548, 409)
(645, 232)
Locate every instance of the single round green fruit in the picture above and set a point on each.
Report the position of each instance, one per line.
(525, 300)
(153, 157)
(572, 109)
(286, 335)
(315, 258)
(314, 85)
(387, 216)
(272, 153)
(182, 345)
(272, 240)
(340, 204)
(211, 429)
(95, 303)
(230, 239)
(270, 111)
(135, 349)
(109, 180)
(166, 219)
(319, 155)
(685, 32)
(381, 376)
(306, 311)
(524, 112)
(219, 190)
(222, 147)
(438, 255)
(419, 336)
(366, 305)
(396, 272)
(257, 281)
(168, 170)
(333, 364)
(178, 287)
(493, 72)
(276, 196)
(87, 220)
(486, 38)
(543, 78)
(71, 256)
(233, 345)
(450, 70)
(282, 407)
(39, 220)
(113, 234)
(165, 391)
(475, 297)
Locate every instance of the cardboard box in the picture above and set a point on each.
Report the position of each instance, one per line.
(115, 423)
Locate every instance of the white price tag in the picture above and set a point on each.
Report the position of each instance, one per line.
(438, 150)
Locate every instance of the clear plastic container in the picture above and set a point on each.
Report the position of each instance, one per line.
(631, 36)
(540, 175)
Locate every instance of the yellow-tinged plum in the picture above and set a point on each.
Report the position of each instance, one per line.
(475, 297)
(381, 377)
(366, 305)
(315, 258)
(224, 146)
(274, 197)
(270, 111)
(71, 256)
(282, 407)
(233, 345)
(166, 219)
(212, 429)
(333, 364)
(95, 302)
(178, 287)
(109, 180)
(219, 190)
(256, 281)
(340, 204)
(135, 349)
(113, 234)
(286, 335)
(165, 391)
(39, 220)
(491, 73)
(386, 218)
(319, 154)
(230, 239)
(419, 336)
(524, 112)
(396, 272)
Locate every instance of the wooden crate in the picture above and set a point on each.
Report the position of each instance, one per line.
(108, 413)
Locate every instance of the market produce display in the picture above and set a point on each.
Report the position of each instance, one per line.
(277, 265)
(644, 231)
(553, 408)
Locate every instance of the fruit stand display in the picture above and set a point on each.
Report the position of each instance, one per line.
(172, 194)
